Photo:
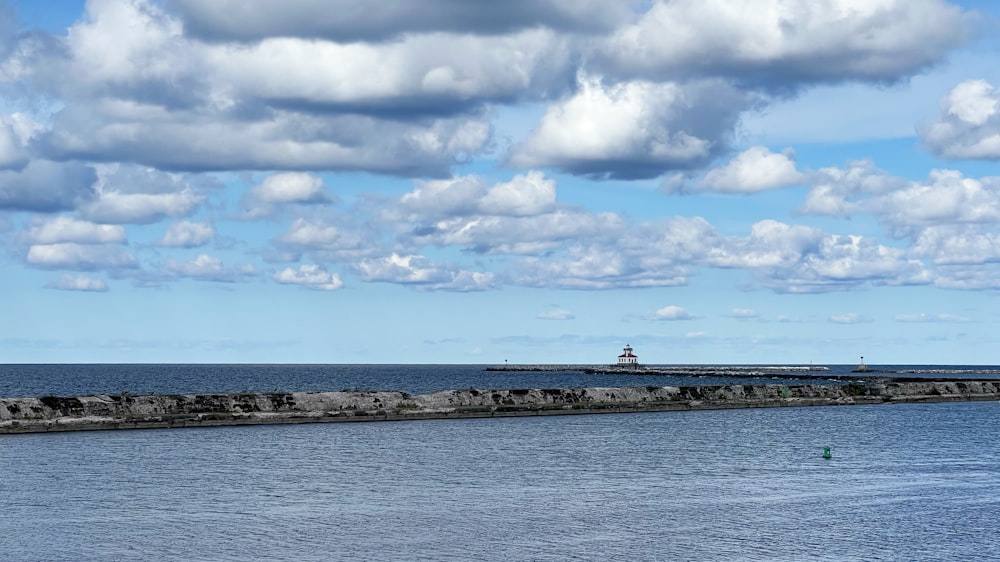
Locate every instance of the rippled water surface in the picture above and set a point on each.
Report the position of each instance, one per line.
(906, 482)
(74, 380)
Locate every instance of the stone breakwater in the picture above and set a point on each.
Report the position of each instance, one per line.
(51, 413)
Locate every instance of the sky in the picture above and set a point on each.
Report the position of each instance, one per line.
(532, 181)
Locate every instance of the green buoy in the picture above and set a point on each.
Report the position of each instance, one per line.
(826, 453)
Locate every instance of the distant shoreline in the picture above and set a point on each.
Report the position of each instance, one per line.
(50, 413)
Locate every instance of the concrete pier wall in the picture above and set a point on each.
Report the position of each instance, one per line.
(28, 415)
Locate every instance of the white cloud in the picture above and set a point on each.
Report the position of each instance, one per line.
(415, 70)
(79, 257)
(968, 125)
(770, 244)
(672, 312)
(744, 313)
(595, 267)
(783, 42)
(185, 234)
(974, 102)
(145, 45)
(290, 187)
(518, 235)
(16, 130)
(755, 169)
(957, 245)
(140, 208)
(310, 276)
(423, 273)
(409, 107)
(327, 242)
(841, 191)
(924, 317)
(803, 259)
(842, 262)
(849, 318)
(277, 191)
(524, 195)
(78, 283)
(984, 277)
(633, 129)
(555, 314)
(66, 229)
(207, 268)
(947, 197)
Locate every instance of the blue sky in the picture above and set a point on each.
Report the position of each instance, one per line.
(306, 181)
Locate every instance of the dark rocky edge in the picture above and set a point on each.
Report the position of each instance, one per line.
(51, 413)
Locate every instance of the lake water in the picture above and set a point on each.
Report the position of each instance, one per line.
(906, 482)
(74, 380)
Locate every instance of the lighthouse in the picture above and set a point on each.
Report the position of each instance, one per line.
(628, 359)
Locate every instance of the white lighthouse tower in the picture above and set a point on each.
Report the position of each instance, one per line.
(628, 359)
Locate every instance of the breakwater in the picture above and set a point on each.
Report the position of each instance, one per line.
(51, 413)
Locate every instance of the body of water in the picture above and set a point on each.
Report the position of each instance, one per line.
(906, 482)
(74, 380)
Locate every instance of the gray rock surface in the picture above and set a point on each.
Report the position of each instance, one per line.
(50, 413)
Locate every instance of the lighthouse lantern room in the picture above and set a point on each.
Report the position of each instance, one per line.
(628, 359)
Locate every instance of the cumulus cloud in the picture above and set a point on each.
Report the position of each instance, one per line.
(352, 20)
(138, 93)
(290, 187)
(957, 245)
(278, 190)
(524, 195)
(170, 102)
(595, 267)
(66, 229)
(127, 194)
(755, 169)
(79, 257)
(287, 140)
(78, 283)
(516, 235)
(840, 191)
(45, 187)
(983, 277)
(770, 244)
(555, 314)
(777, 43)
(140, 208)
(847, 261)
(16, 131)
(418, 271)
(744, 313)
(409, 76)
(672, 312)
(325, 241)
(803, 259)
(968, 125)
(185, 234)
(207, 268)
(947, 197)
(310, 276)
(633, 129)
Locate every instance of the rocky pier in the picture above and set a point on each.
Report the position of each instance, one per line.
(52, 413)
